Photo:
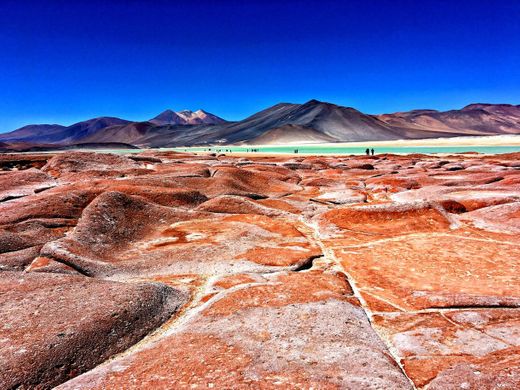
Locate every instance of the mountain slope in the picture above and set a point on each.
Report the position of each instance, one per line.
(81, 130)
(167, 117)
(333, 124)
(474, 119)
(61, 134)
(286, 123)
(290, 134)
(199, 117)
(45, 133)
(186, 117)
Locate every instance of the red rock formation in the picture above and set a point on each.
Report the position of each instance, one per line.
(369, 223)
(306, 272)
(16, 184)
(20, 243)
(231, 204)
(474, 349)
(292, 330)
(26, 224)
(122, 234)
(55, 327)
(435, 270)
(77, 164)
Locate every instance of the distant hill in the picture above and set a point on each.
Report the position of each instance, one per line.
(36, 133)
(107, 129)
(474, 119)
(284, 123)
(61, 134)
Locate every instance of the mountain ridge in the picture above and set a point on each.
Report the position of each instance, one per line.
(185, 117)
(313, 121)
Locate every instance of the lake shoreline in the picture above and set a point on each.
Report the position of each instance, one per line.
(486, 145)
(492, 140)
(498, 144)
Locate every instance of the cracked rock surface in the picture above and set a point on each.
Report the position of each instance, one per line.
(164, 270)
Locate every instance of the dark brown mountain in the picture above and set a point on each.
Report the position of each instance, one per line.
(333, 122)
(42, 134)
(288, 134)
(317, 121)
(36, 132)
(314, 122)
(474, 119)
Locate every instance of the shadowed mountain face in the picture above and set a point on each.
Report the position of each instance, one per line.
(36, 133)
(329, 121)
(61, 134)
(284, 123)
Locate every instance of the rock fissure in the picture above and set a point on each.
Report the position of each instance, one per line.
(331, 259)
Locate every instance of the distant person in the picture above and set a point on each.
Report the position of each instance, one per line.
(372, 151)
(367, 152)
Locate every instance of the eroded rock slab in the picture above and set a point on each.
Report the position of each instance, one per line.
(503, 219)
(230, 204)
(16, 184)
(457, 349)
(223, 180)
(120, 234)
(367, 223)
(28, 223)
(84, 165)
(54, 327)
(54, 204)
(20, 243)
(438, 270)
(299, 330)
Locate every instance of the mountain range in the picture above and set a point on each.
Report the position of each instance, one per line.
(284, 123)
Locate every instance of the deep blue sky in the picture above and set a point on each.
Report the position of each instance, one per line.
(61, 62)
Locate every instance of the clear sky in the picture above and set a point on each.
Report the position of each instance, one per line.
(66, 61)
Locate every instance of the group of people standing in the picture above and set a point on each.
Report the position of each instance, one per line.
(367, 151)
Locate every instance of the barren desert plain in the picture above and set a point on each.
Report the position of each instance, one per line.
(167, 270)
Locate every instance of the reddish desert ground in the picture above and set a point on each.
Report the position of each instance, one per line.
(165, 270)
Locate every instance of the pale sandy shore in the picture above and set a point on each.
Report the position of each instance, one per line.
(324, 148)
(494, 140)
(331, 149)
